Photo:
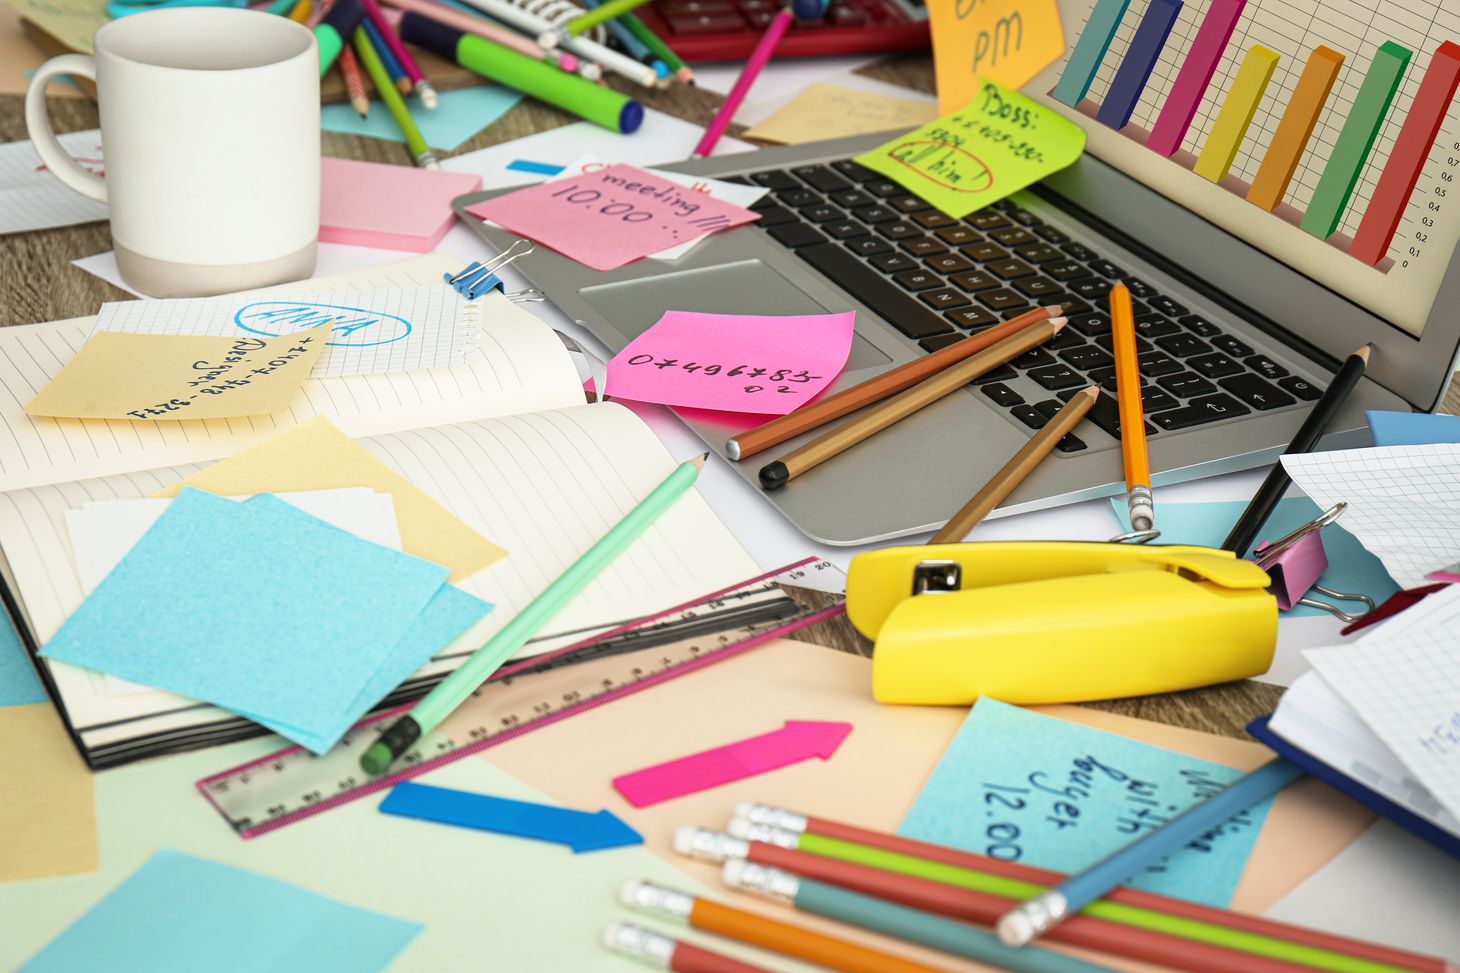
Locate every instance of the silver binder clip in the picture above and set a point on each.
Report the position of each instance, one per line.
(480, 276)
(1297, 560)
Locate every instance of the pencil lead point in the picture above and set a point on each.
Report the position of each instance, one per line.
(1058, 324)
(1091, 391)
(699, 461)
(1364, 353)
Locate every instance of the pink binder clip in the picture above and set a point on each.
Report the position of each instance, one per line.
(1297, 560)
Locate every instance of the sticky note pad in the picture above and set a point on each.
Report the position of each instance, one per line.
(997, 144)
(179, 914)
(253, 607)
(767, 364)
(461, 114)
(1021, 786)
(367, 204)
(48, 816)
(828, 111)
(1008, 41)
(1412, 428)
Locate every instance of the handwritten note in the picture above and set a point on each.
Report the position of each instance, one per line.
(1006, 41)
(828, 111)
(1020, 786)
(611, 217)
(161, 377)
(768, 365)
(994, 146)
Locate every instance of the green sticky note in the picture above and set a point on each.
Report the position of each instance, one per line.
(991, 148)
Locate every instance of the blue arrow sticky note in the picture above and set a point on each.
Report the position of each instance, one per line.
(580, 830)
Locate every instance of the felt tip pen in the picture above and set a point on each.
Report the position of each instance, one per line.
(332, 32)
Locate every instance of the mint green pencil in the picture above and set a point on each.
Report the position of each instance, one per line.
(394, 103)
(451, 691)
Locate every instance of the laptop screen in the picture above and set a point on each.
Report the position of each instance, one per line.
(1318, 117)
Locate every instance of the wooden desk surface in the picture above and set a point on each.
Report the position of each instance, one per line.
(38, 283)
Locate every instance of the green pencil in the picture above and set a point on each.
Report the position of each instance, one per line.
(385, 87)
(656, 46)
(449, 693)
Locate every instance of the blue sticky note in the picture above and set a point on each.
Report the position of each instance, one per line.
(179, 914)
(253, 608)
(1021, 786)
(18, 684)
(1412, 428)
(460, 115)
(1351, 568)
(537, 168)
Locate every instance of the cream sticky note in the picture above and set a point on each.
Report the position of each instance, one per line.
(995, 145)
(315, 455)
(1006, 41)
(828, 111)
(48, 817)
(155, 377)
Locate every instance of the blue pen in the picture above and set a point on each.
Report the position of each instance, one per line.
(397, 73)
(1026, 922)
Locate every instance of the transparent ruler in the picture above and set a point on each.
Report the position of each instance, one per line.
(293, 784)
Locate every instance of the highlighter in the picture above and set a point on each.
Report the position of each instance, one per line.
(602, 106)
(331, 33)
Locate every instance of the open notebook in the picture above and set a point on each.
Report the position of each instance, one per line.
(504, 441)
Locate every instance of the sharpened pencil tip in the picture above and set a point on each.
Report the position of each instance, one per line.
(1092, 391)
(1364, 353)
(699, 461)
(1058, 324)
(1053, 309)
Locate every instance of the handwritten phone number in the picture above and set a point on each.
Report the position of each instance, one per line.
(773, 377)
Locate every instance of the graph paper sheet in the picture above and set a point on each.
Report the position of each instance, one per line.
(1406, 687)
(31, 198)
(1403, 502)
(370, 332)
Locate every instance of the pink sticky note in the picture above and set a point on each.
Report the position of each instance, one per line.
(367, 204)
(612, 216)
(769, 365)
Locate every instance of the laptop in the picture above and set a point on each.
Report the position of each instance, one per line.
(1242, 316)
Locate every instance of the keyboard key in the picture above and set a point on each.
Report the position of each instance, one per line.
(775, 216)
(1012, 236)
(1300, 388)
(985, 252)
(971, 318)
(1039, 289)
(851, 198)
(1158, 400)
(1200, 325)
(799, 197)
(1028, 415)
(1253, 391)
(1091, 288)
(1229, 345)
(796, 235)
(775, 179)
(1154, 364)
(933, 220)
(923, 246)
(1106, 413)
(1087, 357)
(852, 170)
(1182, 345)
(1214, 365)
(944, 299)
(918, 280)
(1002, 394)
(1010, 269)
(845, 230)
(883, 188)
(1107, 342)
(1094, 324)
(822, 213)
(1033, 358)
(1067, 338)
(957, 236)
(892, 263)
(842, 15)
(878, 293)
(1038, 253)
(1001, 299)
(874, 214)
(1004, 373)
(974, 280)
(908, 203)
(1048, 407)
(1266, 367)
(1052, 234)
(1139, 288)
(1023, 217)
(947, 263)
(1056, 377)
(868, 246)
(820, 177)
(1186, 384)
(940, 342)
(1073, 306)
(1207, 409)
(705, 24)
(898, 230)
(1165, 305)
(1154, 326)
(1107, 269)
(1080, 252)
(986, 219)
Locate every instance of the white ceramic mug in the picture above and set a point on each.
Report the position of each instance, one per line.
(210, 138)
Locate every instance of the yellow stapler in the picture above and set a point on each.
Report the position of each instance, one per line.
(1058, 622)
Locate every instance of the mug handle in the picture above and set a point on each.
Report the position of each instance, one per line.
(43, 137)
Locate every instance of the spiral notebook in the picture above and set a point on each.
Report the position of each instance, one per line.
(504, 440)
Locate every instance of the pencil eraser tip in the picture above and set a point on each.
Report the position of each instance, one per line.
(743, 809)
(773, 476)
(684, 839)
(738, 827)
(628, 891)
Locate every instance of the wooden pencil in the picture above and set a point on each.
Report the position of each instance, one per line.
(876, 389)
(349, 67)
(1131, 410)
(1020, 465)
(777, 474)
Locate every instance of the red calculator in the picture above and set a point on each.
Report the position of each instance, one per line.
(727, 30)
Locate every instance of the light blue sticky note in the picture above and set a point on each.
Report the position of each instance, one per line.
(1412, 428)
(1351, 568)
(252, 608)
(18, 684)
(1021, 786)
(179, 914)
(460, 115)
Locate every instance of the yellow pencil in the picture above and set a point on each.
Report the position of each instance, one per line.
(1132, 412)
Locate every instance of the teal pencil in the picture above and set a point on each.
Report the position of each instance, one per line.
(656, 44)
(451, 691)
(394, 103)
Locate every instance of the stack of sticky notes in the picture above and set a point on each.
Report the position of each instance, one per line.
(367, 204)
(264, 609)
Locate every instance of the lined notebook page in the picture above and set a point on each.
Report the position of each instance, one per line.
(546, 486)
(1406, 687)
(1403, 502)
(520, 365)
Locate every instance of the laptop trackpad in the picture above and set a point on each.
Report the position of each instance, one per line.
(745, 287)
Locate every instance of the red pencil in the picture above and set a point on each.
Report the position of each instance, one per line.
(654, 949)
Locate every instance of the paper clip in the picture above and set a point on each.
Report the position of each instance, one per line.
(481, 276)
(1297, 560)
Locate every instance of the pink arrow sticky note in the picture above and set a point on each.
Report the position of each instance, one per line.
(798, 740)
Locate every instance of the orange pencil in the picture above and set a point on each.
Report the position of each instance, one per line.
(354, 82)
(1132, 413)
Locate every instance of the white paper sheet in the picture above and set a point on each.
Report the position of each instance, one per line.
(331, 259)
(31, 198)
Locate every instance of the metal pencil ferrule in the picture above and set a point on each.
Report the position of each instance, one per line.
(767, 882)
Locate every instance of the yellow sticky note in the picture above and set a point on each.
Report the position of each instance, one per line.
(161, 377)
(48, 815)
(72, 22)
(827, 111)
(317, 456)
(1007, 41)
(994, 146)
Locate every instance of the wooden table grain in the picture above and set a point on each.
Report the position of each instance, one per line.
(38, 283)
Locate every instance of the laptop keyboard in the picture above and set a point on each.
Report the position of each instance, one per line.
(938, 280)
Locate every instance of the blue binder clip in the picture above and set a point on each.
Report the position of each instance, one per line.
(481, 276)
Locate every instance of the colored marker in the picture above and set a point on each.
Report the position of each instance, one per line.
(415, 80)
(330, 33)
(370, 60)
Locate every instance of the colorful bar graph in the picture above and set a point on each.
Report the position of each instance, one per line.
(1227, 132)
(1195, 75)
(1356, 139)
(1407, 158)
(1089, 51)
(1135, 70)
(1295, 128)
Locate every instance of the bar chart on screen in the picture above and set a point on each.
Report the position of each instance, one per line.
(1338, 117)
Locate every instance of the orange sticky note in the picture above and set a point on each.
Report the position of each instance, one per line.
(1008, 41)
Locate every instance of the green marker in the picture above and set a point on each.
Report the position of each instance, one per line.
(331, 32)
(449, 693)
(390, 95)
